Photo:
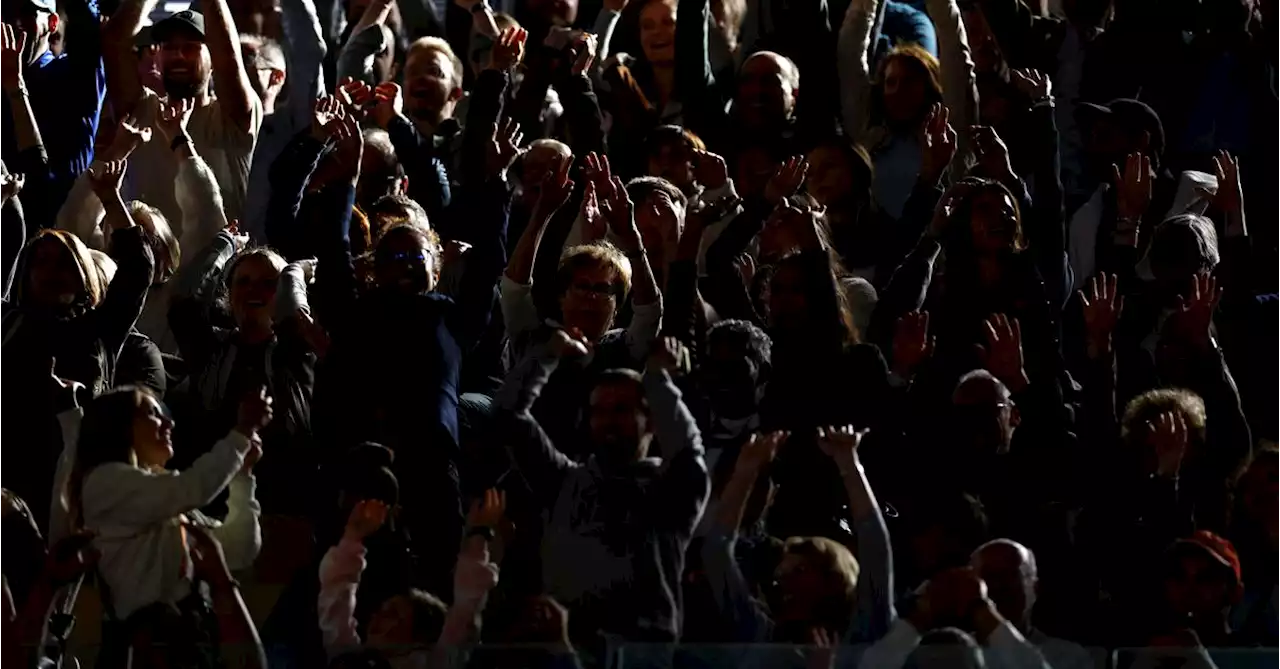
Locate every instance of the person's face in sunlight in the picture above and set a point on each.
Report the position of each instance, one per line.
(152, 434)
(658, 32)
(993, 221)
(253, 292)
(766, 95)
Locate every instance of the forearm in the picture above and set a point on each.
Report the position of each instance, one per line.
(853, 66)
(237, 635)
(732, 505)
(25, 130)
(117, 215)
(304, 57)
(80, 214)
(874, 611)
(357, 55)
(523, 258)
(482, 118)
(524, 383)
(644, 287)
(123, 84)
(200, 199)
(235, 94)
(959, 84)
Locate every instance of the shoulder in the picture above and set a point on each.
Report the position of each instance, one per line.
(115, 479)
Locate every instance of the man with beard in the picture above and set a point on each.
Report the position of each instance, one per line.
(65, 93)
(618, 525)
(225, 117)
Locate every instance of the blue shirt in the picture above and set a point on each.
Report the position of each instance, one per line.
(66, 94)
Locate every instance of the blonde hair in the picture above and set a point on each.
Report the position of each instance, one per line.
(164, 244)
(423, 44)
(92, 290)
(595, 254)
(1148, 406)
(839, 569)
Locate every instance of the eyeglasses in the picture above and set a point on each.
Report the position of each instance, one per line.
(598, 290)
(407, 257)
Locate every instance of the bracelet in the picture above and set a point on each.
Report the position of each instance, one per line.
(179, 140)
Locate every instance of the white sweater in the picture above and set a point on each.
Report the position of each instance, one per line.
(136, 516)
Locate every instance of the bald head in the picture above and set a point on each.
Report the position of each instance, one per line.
(1009, 569)
(980, 387)
(768, 85)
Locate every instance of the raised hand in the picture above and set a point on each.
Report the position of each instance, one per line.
(1194, 313)
(946, 208)
(128, 136)
(324, 113)
(367, 517)
(1102, 307)
(389, 103)
(504, 144)
(1033, 83)
(937, 143)
(174, 115)
(475, 575)
(489, 510)
(1002, 356)
(508, 49)
(254, 414)
(105, 177)
(669, 355)
(594, 227)
(992, 154)
(584, 49)
(547, 623)
(1133, 189)
(10, 185)
(912, 344)
(13, 49)
(615, 204)
(348, 140)
(1229, 196)
(568, 344)
(840, 443)
(1168, 438)
(786, 181)
(760, 450)
(354, 95)
(555, 191)
(709, 170)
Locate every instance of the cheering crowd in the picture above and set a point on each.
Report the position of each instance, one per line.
(649, 333)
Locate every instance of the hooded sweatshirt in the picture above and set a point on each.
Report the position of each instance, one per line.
(614, 544)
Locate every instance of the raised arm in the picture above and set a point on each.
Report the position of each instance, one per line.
(235, 93)
(959, 84)
(196, 189)
(368, 39)
(874, 612)
(487, 94)
(336, 284)
(123, 85)
(693, 55)
(241, 533)
(537, 460)
(487, 208)
(15, 231)
(238, 640)
(119, 310)
(853, 64)
(290, 175)
(685, 484)
(340, 572)
(305, 58)
(728, 585)
(519, 312)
